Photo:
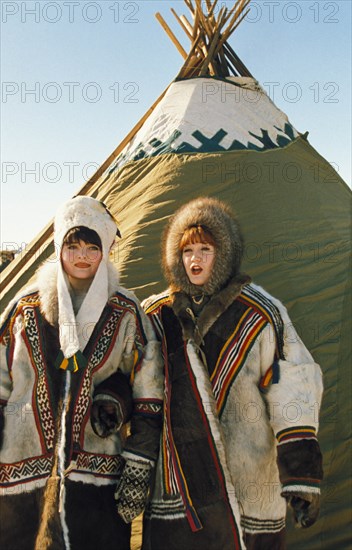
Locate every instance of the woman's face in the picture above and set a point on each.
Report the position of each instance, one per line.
(80, 260)
(198, 260)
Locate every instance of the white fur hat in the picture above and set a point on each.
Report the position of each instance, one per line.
(75, 330)
(87, 212)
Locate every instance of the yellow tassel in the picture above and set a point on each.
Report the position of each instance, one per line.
(75, 364)
(136, 357)
(64, 364)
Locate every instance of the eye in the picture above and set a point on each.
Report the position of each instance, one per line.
(93, 247)
(71, 246)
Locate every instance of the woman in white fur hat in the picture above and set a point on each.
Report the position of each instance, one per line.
(233, 453)
(78, 360)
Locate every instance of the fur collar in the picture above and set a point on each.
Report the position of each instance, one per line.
(46, 284)
(196, 329)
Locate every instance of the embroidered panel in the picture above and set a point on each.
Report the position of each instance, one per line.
(99, 353)
(169, 476)
(43, 410)
(262, 304)
(152, 309)
(147, 407)
(25, 470)
(126, 304)
(234, 354)
(98, 465)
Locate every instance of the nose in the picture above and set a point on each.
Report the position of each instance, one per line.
(82, 252)
(196, 256)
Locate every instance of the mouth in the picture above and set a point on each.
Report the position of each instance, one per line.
(196, 270)
(82, 265)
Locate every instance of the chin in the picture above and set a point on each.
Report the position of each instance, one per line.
(198, 283)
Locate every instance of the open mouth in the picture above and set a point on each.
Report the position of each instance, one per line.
(196, 270)
(82, 265)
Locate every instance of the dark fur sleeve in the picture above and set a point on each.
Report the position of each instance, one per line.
(300, 464)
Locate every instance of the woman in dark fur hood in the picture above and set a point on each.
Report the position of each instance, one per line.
(231, 458)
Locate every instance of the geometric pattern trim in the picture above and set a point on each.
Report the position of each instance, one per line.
(206, 144)
(88, 463)
(146, 407)
(25, 470)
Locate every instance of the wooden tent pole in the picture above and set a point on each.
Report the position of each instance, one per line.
(190, 6)
(187, 63)
(224, 39)
(232, 10)
(203, 20)
(183, 26)
(236, 61)
(211, 50)
(199, 37)
(230, 29)
(195, 25)
(171, 35)
(211, 12)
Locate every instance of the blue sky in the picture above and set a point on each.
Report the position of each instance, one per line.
(77, 75)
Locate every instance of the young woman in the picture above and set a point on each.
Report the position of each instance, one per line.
(231, 454)
(74, 347)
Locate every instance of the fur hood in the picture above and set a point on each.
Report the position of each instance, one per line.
(217, 217)
(45, 283)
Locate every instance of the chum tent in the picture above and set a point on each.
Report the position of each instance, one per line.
(214, 131)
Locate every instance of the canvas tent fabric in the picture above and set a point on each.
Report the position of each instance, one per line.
(294, 210)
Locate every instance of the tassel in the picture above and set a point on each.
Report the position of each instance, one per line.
(272, 376)
(276, 372)
(50, 529)
(137, 362)
(73, 364)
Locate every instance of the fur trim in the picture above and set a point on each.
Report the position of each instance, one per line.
(46, 284)
(300, 463)
(207, 397)
(218, 303)
(218, 218)
(75, 330)
(87, 212)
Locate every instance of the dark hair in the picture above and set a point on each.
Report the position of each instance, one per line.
(84, 234)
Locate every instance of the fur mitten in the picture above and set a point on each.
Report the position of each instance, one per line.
(305, 507)
(132, 489)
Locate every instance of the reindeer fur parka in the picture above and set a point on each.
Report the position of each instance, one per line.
(57, 465)
(242, 396)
